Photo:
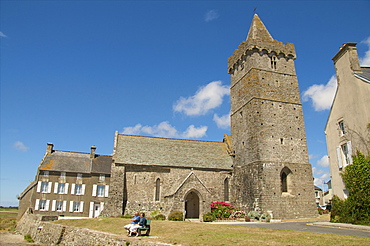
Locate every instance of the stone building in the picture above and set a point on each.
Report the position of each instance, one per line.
(347, 128)
(68, 184)
(262, 166)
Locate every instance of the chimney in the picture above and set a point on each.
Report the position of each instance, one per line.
(92, 152)
(49, 148)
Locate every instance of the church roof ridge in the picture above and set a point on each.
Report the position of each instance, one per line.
(177, 139)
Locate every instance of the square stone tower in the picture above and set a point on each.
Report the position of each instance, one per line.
(271, 167)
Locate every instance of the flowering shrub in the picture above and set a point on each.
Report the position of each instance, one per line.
(238, 214)
(222, 209)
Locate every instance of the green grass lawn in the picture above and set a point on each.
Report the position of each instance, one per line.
(8, 219)
(188, 233)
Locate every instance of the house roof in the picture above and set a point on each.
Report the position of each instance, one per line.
(364, 75)
(65, 161)
(171, 152)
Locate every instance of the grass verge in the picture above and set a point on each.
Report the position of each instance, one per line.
(188, 233)
(8, 219)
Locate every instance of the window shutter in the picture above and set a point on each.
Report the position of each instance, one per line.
(101, 206)
(339, 157)
(71, 206)
(349, 145)
(94, 190)
(106, 190)
(81, 207)
(53, 205)
(73, 189)
(47, 205)
(91, 210)
(66, 188)
(38, 189)
(64, 206)
(37, 204)
(83, 189)
(49, 187)
(56, 184)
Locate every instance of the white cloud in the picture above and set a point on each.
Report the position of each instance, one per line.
(20, 146)
(321, 95)
(211, 15)
(165, 129)
(193, 132)
(204, 100)
(323, 177)
(324, 161)
(222, 122)
(3, 35)
(365, 61)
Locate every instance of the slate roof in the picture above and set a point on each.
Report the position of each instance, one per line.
(155, 151)
(365, 75)
(64, 161)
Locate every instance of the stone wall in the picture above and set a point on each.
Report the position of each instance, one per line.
(54, 234)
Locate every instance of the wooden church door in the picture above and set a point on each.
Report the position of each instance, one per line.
(192, 205)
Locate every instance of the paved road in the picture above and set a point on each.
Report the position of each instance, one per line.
(317, 227)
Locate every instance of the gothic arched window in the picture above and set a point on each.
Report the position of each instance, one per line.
(157, 189)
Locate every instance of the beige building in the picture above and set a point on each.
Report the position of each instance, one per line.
(68, 184)
(347, 127)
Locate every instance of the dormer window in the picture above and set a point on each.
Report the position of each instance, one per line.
(101, 177)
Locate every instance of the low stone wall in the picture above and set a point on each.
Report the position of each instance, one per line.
(55, 234)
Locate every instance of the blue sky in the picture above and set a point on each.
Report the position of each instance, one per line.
(74, 72)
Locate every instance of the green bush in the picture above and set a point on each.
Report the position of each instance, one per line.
(176, 216)
(209, 217)
(265, 217)
(159, 217)
(28, 238)
(255, 215)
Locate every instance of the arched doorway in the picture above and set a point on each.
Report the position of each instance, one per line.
(192, 205)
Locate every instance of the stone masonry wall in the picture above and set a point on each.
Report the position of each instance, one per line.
(54, 234)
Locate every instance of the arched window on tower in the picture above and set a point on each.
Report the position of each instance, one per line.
(157, 189)
(226, 189)
(285, 179)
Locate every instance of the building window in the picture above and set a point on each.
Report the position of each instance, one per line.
(347, 153)
(78, 189)
(61, 188)
(79, 176)
(100, 191)
(44, 205)
(44, 187)
(77, 207)
(226, 189)
(341, 128)
(157, 189)
(63, 175)
(59, 206)
(46, 174)
(102, 177)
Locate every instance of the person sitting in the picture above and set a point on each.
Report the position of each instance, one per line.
(141, 224)
(134, 221)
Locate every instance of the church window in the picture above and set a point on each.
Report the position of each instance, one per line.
(157, 189)
(226, 189)
(273, 62)
(285, 176)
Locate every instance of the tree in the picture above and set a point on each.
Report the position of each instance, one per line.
(357, 180)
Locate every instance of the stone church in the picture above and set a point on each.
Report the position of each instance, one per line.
(263, 165)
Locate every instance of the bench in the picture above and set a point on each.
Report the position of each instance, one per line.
(145, 228)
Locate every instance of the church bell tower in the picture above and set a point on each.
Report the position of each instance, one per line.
(271, 167)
